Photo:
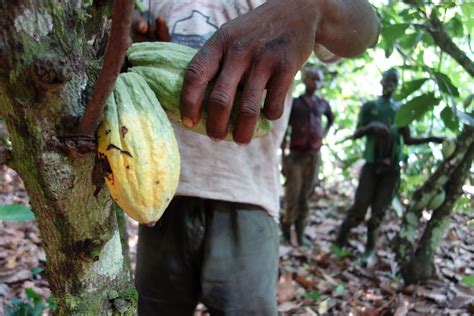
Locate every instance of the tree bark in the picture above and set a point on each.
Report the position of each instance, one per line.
(444, 41)
(48, 67)
(416, 259)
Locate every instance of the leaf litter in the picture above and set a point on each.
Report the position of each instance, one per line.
(312, 280)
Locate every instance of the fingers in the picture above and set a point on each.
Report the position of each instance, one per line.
(277, 88)
(249, 108)
(162, 31)
(139, 24)
(221, 99)
(202, 68)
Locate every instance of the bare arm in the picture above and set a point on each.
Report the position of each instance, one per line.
(330, 120)
(263, 50)
(409, 140)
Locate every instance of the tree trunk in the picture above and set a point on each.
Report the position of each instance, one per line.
(48, 66)
(416, 260)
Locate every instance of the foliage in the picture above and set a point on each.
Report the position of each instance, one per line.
(339, 252)
(16, 212)
(432, 90)
(32, 306)
(469, 280)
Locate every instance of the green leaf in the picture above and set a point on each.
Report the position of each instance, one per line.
(314, 295)
(445, 84)
(468, 280)
(390, 33)
(36, 270)
(339, 252)
(415, 109)
(468, 13)
(340, 289)
(31, 294)
(455, 27)
(428, 40)
(16, 212)
(409, 41)
(409, 87)
(52, 303)
(449, 119)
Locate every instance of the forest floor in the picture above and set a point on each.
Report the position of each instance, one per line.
(312, 281)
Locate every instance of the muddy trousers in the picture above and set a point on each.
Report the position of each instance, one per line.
(377, 184)
(222, 254)
(302, 175)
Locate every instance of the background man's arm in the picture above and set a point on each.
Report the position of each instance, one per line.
(330, 119)
(264, 49)
(409, 140)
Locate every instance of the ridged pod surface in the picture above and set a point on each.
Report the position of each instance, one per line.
(136, 143)
(163, 65)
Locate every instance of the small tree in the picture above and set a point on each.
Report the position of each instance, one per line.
(418, 30)
(51, 54)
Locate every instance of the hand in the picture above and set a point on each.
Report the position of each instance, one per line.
(262, 50)
(378, 129)
(144, 31)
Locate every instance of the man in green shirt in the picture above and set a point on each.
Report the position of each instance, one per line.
(380, 175)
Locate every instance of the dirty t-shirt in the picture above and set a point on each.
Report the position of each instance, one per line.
(222, 170)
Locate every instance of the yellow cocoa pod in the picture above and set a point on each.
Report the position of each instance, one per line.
(137, 144)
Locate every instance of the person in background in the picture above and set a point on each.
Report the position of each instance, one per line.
(217, 242)
(380, 176)
(301, 166)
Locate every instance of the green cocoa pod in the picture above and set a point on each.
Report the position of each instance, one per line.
(163, 65)
(437, 200)
(449, 146)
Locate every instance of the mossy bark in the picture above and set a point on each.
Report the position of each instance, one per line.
(48, 67)
(416, 258)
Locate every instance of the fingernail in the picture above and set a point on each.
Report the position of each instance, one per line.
(215, 139)
(142, 27)
(241, 144)
(187, 122)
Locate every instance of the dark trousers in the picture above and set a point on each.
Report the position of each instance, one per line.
(302, 174)
(222, 254)
(377, 184)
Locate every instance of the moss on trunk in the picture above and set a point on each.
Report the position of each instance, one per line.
(47, 67)
(416, 259)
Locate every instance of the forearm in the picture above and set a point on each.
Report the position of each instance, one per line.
(422, 140)
(347, 27)
(360, 132)
(409, 140)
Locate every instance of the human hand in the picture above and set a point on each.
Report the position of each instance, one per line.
(378, 129)
(260, 50)
(147, 28)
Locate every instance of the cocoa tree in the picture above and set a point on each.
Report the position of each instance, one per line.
(51, 54)
(418, 24)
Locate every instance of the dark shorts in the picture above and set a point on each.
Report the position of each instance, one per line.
(222, 254)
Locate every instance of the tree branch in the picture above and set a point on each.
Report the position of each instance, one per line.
(443, 40)
(113, 60)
